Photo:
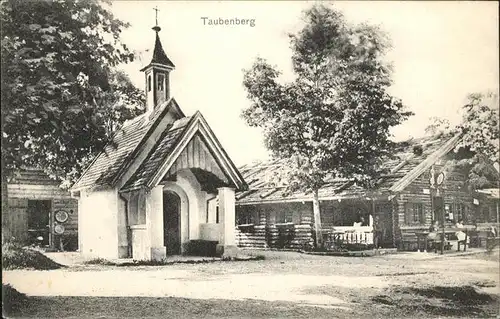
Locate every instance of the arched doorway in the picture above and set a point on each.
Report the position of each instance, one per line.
(172, 223)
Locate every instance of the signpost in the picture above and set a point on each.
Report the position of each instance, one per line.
(436, 183)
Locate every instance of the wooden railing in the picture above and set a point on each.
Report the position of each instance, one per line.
(345, 235)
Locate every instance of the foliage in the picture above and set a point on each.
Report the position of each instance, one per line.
(334, 118)
(14, 256)
(70, 241)
(62, 98)
(438, 126)
(480, 129)
(480, 125)
(478, 151)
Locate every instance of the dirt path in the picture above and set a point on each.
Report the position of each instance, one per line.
(187, 284)
(333, 282)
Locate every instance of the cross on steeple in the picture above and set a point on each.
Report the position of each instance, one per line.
(156, 14)
(157, 73)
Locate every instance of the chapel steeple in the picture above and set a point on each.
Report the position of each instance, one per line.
(157, 74)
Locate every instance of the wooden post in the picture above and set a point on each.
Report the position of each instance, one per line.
(6, 216)
(317, 219)
(442, 240)
(52, 241)
(442, 231)
(498, 213)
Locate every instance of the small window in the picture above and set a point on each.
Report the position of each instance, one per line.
(149, 83)
(284, 217)
(246, 217)
(161, 82)
(414, 213)
(459, 211)
(217, 214)
(492, 213)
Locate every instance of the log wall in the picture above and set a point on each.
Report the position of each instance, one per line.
(33, 185)
(453, 192)
(270, 232)
(392, 214)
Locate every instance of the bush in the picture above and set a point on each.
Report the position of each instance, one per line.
(70, 242)
(14, 256)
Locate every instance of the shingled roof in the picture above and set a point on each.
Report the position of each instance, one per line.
(158, 155)
(114, 162)
(107, 166)
(168, 148)
(406, 160)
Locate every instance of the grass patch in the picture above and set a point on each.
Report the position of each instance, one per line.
(146, 263)
(439, 301)
(187, 261)
(11, 299)
(99, 261)
(164, 262)
(465, 295)
(14, 256)
(168, 307)
(246, 258)
(411, 273)
(259, 257)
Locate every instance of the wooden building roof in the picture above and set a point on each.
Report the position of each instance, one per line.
(107, 166)
(403, 167)
(114, 164)
(163, 148)
(32, 176)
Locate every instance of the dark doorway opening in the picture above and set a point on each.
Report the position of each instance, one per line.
(172, 223)
(39, 222)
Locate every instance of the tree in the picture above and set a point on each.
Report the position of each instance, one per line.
(478, 151)
(334, 117)
(62, 96)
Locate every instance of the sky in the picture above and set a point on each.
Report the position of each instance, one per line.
(441, 52)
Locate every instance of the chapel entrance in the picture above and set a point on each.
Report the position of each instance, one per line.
(172, 223)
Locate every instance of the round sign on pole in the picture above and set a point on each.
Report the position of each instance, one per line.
(432, 178)
(59, 229)
(61, 216)
(440, 178)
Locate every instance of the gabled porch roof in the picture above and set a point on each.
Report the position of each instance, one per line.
(168, 148)
(115, 162)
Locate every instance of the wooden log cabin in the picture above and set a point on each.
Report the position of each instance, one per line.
(402, 202)
(40, 212)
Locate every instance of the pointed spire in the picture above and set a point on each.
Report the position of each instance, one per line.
(157, 74)
(159, 55)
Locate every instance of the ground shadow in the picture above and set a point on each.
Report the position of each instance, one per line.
(22, 306)
(462, 301)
